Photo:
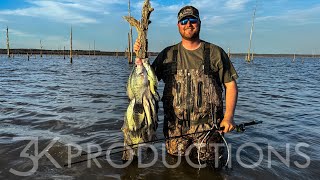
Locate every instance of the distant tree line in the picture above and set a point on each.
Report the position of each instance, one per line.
(119, 53)
(66, 52)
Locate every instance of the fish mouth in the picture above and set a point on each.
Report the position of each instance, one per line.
(139, 70)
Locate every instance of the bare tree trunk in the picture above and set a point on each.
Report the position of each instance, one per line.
(89, 49)
(40, 49)
(254, 14)
(8, 45)
(142, 28)
(130, 48)
(94, 48)
(71, 45)
(129, 54)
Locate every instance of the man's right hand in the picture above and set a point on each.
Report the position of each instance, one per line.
(136, 48)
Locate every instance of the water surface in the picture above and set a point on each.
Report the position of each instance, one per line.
(84, 103)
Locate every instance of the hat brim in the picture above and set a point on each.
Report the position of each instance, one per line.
(188, 15)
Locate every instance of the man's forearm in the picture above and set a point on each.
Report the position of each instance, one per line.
(231, 99)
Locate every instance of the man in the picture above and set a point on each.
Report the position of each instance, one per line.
(194, 72)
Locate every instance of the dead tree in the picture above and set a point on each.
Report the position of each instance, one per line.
(142, 28)
(71, 45)
(8, 44)
(248, 56)
(130, 47)
(40, 49)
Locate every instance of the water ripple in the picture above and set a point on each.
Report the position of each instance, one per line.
(85, 103)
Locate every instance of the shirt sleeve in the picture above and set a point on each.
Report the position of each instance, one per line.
(224, 66)
(162, 62)
(157, 65)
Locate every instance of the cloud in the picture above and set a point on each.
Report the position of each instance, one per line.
(214, 20)
(220, 11)
(295, 16)
(66, 11)
(49, 41)
(236, 4)
(3, 20)
(206, 4)
(51, 10)
(16, 32)
(164, 14)
(304, 16)
(215, 12)
(267, 18)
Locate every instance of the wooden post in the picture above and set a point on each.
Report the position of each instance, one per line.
(251, 56)
(131, 46)
(94, 48)
(130, 41)
(71, 45)
(229, 53)
(128, 53)
(254, 14)
(142, 28)
(40, 49)
(8, 45)
(30, 52)
(89, 49)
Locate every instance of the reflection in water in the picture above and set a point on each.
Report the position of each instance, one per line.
(84, 103)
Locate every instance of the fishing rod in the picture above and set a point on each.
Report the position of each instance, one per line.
(239, 128)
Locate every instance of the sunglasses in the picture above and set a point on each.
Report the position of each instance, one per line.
(191, 20)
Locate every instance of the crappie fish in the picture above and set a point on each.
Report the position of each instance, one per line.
(141, 118)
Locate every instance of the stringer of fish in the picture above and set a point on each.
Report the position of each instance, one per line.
(141, 117)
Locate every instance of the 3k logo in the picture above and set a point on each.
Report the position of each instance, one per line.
(36, 156)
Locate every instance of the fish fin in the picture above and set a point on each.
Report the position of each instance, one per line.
(154, 109)
(152, 78)
(129, 86)
(147, 110)
(130, 116)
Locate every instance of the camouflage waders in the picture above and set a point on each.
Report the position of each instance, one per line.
(192, 100)
(208, 150)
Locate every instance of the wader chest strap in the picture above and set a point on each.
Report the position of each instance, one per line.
(206, 57)
(174, 60)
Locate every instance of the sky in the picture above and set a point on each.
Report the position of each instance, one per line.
(280, 26)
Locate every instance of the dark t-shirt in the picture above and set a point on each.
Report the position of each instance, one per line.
(193, 59)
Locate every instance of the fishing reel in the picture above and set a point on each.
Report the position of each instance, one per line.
(242, 127)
